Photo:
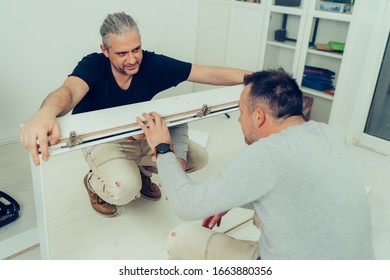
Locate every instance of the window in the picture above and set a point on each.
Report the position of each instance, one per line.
(378, 121)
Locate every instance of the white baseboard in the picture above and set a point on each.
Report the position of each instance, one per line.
(8, 141)
(18, 243)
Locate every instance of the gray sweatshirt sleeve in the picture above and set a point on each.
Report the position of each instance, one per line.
(219, 193)
(179, 137)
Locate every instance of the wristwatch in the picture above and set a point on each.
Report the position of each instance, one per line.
(163, 148)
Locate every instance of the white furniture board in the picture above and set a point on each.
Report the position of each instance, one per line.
(119, 122)
(66, 221)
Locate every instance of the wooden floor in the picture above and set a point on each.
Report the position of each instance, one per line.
(140, 229)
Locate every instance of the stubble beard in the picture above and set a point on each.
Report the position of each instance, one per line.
(122, 70)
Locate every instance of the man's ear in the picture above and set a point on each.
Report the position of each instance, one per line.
(104, 50)
(260, 117)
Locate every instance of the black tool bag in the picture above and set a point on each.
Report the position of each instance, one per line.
(9, 211)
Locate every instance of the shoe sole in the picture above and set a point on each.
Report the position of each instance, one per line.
(88, 190)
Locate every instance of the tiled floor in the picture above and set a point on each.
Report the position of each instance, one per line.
(140, 231)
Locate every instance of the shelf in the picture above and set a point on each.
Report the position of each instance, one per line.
(332, 16)
(287, 10)
(249, 1)
(286, 45)
(218, 2)
(324, 53)
(249, 5)
(317, 93)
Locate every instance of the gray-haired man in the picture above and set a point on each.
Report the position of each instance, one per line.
(122, 74)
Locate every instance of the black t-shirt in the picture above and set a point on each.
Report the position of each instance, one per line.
(156, 73)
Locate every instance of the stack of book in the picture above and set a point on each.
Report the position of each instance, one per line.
(337, 6)
(317, 78)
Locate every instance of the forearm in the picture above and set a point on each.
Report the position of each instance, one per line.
(175, 180)
(64, 99)
(231, 187)
(58, 103)
(179, 137)
(214, 75)
(191, 201)
(194, 201)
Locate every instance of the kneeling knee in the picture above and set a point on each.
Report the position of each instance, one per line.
(122, 190)
(177, 240)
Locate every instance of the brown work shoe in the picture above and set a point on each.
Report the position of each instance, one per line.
(98, 204)
(149, 189)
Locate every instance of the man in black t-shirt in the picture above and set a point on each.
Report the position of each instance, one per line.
(122, 74)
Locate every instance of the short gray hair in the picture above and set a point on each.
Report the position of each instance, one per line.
(117, 23)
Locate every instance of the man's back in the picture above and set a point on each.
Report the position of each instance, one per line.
(297, 175)
(316, 207)
(303, 186)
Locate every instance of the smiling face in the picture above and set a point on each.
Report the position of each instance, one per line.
(125, 52)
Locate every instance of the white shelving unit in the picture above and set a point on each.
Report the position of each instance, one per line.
(309, 26)
(282, 54)
(246, 39)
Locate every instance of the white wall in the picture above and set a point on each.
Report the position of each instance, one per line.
(42, 41)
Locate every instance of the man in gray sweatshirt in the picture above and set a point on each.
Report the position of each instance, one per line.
(296, 175)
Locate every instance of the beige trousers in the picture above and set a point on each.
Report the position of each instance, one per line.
(191, 241)
(116, 168)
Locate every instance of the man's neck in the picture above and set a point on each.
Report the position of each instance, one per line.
(122, 80)
(281, 124)
(293, 120)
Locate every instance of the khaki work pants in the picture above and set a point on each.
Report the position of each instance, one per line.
(191, 241)
(116, 168)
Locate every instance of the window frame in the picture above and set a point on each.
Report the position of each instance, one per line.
(355, 131)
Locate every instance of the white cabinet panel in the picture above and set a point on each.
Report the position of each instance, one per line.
(245, 30)
(212, 34)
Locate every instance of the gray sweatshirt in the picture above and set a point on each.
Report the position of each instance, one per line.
(301, 183)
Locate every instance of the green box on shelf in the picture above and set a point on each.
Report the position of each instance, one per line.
(336, 46)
